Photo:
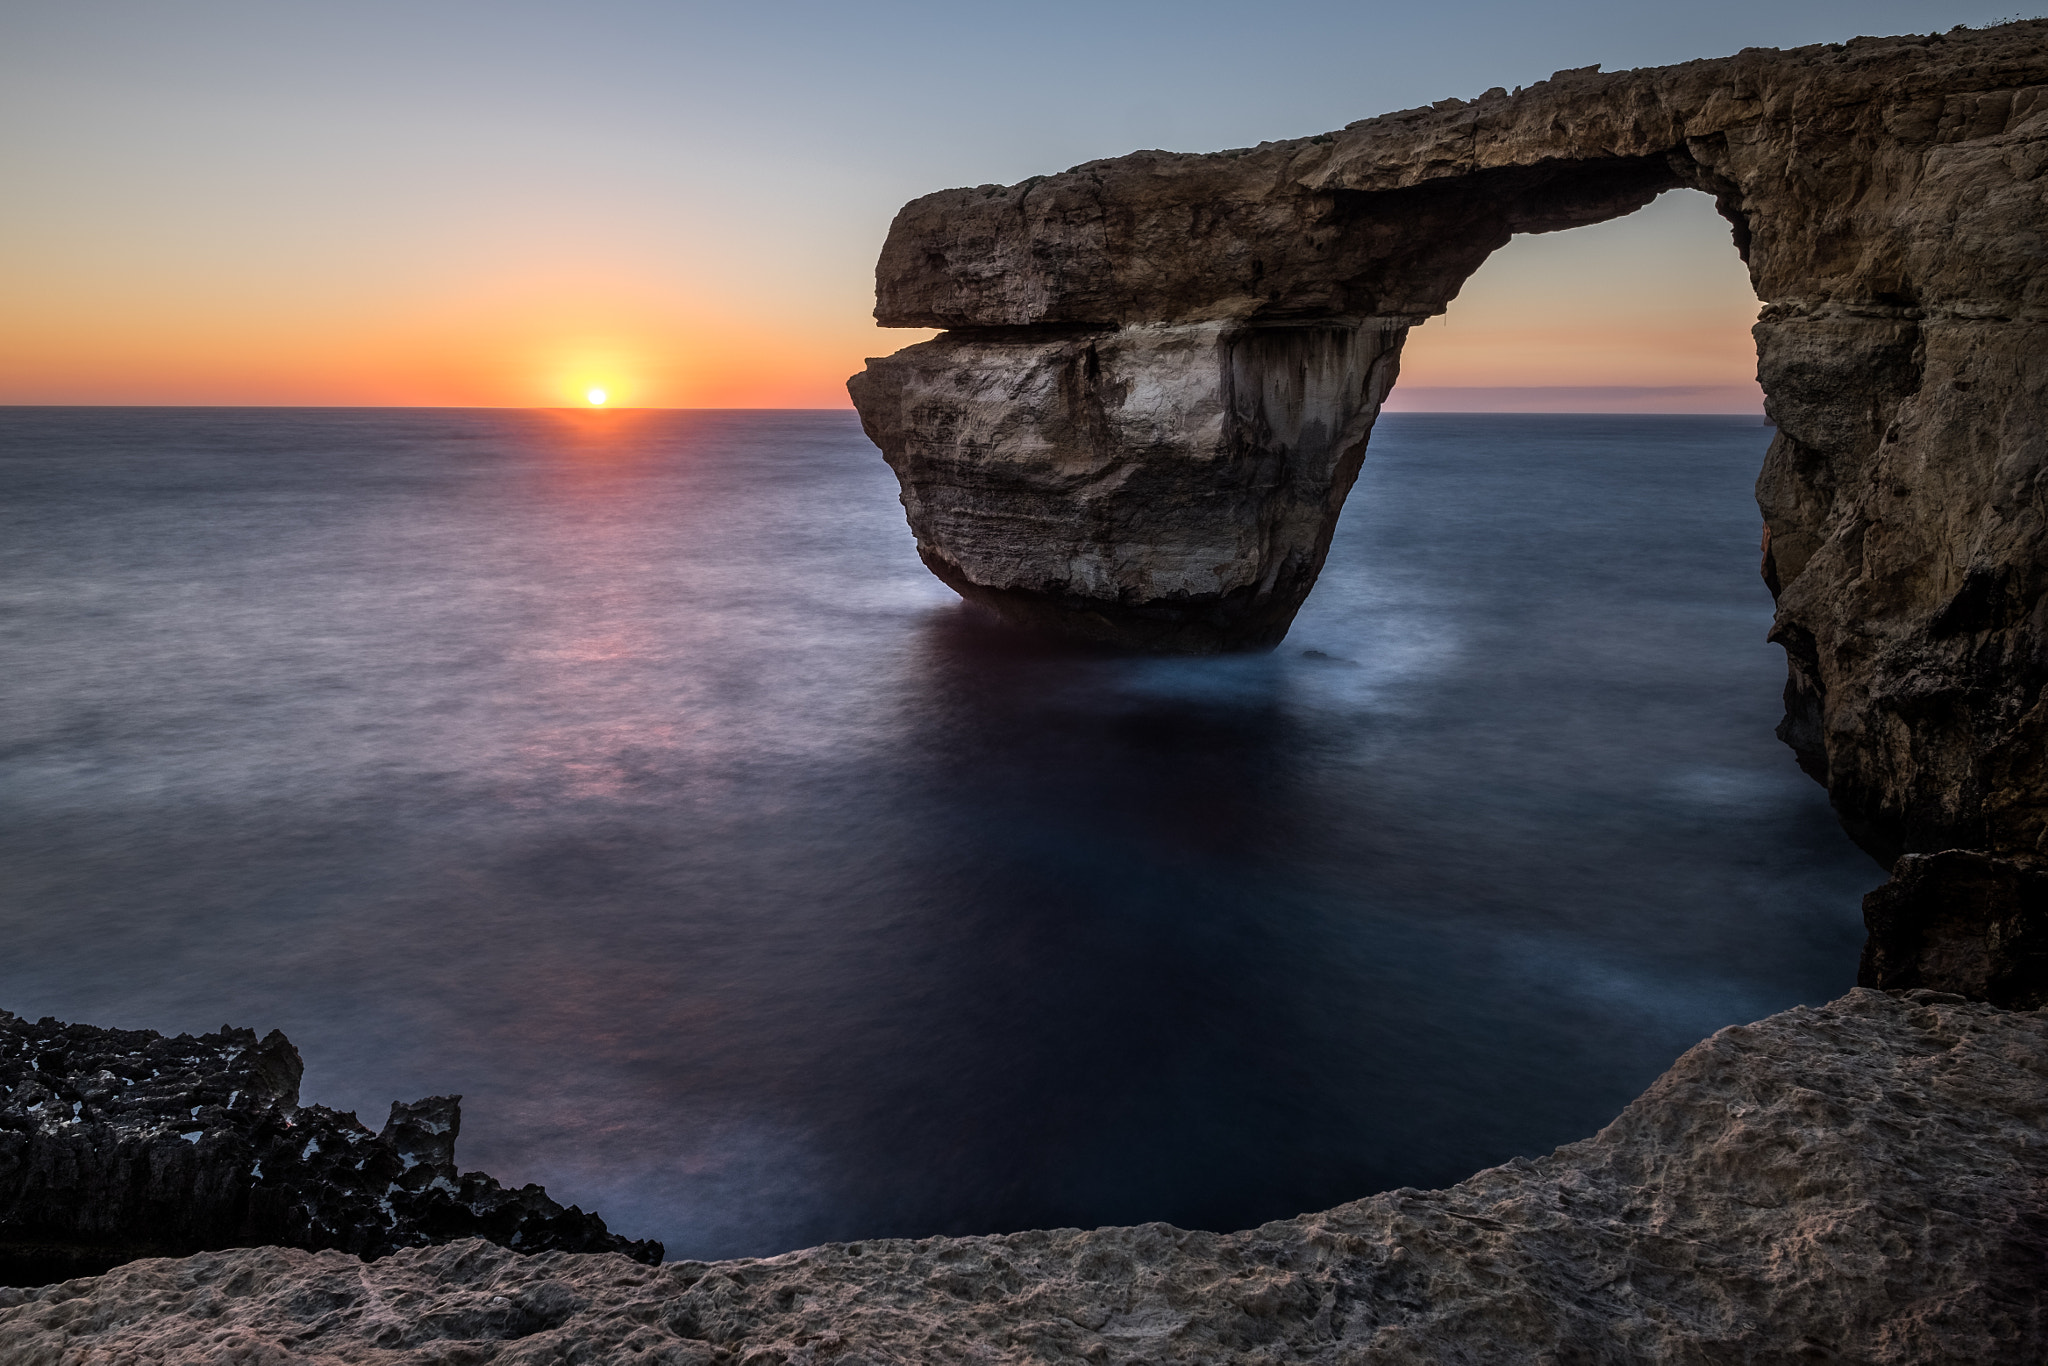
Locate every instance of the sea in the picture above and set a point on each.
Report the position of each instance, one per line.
(625, 773)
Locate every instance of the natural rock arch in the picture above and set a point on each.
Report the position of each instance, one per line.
(1160, 460)
(1159, 373)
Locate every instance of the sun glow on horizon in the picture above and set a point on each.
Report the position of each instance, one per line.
(596, 397)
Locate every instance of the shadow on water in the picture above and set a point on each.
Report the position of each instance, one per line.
(633, 779)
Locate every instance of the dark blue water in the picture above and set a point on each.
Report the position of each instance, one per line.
(627, 774)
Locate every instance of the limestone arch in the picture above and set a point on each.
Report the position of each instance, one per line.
(1181, 444)
(1156, 373)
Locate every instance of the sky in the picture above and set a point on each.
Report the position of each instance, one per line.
(504, 203)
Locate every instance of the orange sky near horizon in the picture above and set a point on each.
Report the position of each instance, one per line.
(509, 341)
(460, 362)
(1657, 299)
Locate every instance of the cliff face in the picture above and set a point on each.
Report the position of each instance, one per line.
(1160, 372)
(117, 1144)
(1863, 1182)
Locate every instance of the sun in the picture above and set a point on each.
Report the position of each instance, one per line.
(597, 397)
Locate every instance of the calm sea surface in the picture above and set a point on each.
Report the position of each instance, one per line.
(626, 773)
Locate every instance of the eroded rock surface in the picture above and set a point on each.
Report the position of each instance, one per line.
(119, 1143)
(1863, 1182)
(1164, 486)
(1160, 371)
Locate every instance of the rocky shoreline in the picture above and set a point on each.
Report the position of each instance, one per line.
(121, 1143)
(1865, 1181)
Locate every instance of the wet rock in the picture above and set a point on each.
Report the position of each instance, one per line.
(117, 1144)
(1860, 1182)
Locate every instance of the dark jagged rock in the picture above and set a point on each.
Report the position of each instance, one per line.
(1160, 371)
(117, 1144)
(1960, 921)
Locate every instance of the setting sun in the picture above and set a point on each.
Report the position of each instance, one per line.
(596, 397)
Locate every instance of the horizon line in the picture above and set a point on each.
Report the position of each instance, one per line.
(621, 408)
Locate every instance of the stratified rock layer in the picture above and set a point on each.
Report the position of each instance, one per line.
(1160, 371)
(1170, 487)
(1864, 1182)
(120, 1143)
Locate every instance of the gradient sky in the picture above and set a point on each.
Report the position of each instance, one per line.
(495, 202)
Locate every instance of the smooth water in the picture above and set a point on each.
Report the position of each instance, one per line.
(626, 773)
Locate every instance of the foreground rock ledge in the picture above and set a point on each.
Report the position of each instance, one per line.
(1863, 1182)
